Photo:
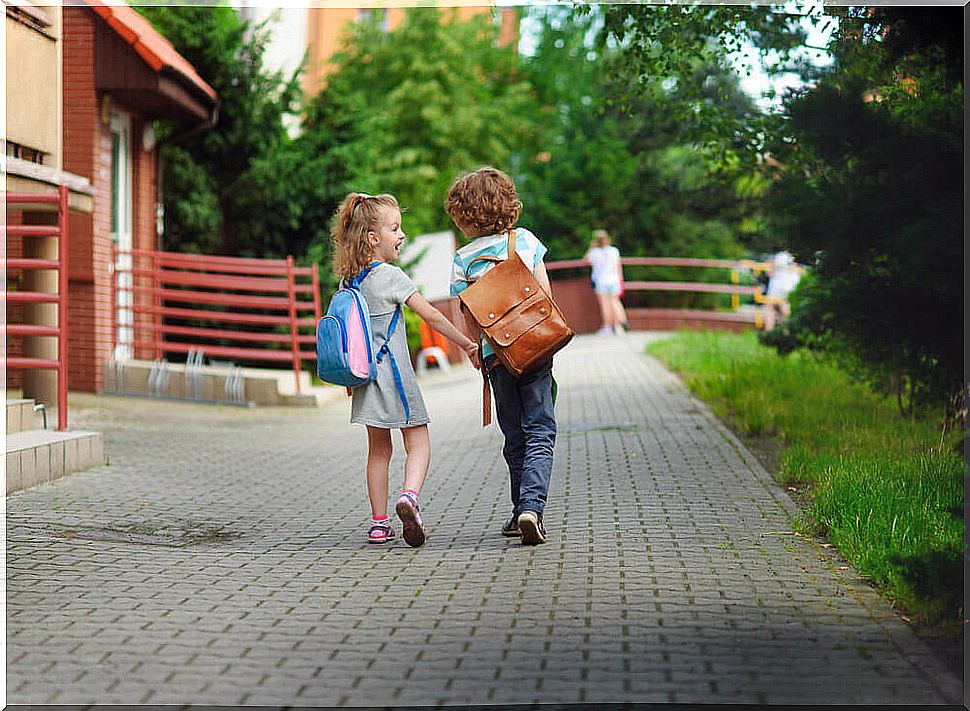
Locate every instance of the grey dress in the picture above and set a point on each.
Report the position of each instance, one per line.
(379, 403)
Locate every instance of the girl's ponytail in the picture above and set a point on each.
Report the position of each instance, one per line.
(358, 214)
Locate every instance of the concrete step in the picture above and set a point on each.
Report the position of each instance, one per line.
(21, 415)
(260, 387)
(39, 456)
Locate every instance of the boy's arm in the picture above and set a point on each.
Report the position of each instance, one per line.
(446, 328)
(542, 277)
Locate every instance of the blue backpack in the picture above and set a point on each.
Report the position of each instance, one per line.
(345, 345)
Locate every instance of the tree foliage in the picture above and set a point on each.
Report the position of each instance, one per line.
(876, 203)
(618, 160)
(237, 188)
(584, 175)
(406, 111)
(866, 167)
(679, 55)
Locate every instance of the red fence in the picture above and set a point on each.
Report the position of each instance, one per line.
(574, 295)
(181, 303)
(39, 297)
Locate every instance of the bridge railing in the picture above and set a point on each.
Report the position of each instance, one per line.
(574, 295)
(59, 264)
(252, 310)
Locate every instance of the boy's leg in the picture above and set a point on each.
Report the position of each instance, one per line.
(508, 411)
(379, 449)
(539, 430)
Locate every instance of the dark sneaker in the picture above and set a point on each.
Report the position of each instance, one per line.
(533, 532)
(511, 527)
(407, 511)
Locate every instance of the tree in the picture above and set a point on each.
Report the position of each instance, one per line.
(237, 188)
(867, 163)
(614, 159)
(876, 203)
(406, 111)
(583, 176)
(679, 55)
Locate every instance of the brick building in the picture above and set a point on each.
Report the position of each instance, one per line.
(119, 75)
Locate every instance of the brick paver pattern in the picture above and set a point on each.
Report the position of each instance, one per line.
(220, 558)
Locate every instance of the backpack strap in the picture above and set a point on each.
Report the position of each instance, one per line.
(398, 381)
(356, 280)
(486, 386)
(510, 248)
(486, 389)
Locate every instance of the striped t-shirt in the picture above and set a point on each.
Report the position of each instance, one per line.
(527, 246)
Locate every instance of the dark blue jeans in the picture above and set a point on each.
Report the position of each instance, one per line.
(526, 418)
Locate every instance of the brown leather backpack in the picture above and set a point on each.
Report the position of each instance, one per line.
(515, 315)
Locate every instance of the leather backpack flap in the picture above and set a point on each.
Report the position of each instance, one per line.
(499, 290)
(525, 316)
(530, 333)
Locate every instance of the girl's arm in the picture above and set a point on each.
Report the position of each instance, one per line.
(446, 328)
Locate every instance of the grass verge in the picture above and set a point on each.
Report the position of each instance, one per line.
(884, 490)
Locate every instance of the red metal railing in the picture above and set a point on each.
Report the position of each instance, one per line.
(735, 289)
(37, 297)
(272, 299)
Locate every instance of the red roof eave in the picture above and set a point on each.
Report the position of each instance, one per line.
(151, 46)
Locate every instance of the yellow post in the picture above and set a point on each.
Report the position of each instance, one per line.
(735, 299)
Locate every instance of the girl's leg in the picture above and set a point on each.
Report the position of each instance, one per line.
(619, 313)
(606, 310)
(379, 449)
(417, 444)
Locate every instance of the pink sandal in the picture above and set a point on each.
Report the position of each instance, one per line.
(380, 533)
(407, 511)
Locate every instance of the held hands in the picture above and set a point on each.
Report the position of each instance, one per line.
(446, 328)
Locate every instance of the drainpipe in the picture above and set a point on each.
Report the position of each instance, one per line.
(159, 165)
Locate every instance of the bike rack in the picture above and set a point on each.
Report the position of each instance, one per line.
(158, 378)
(118, 374)
(235, 385)
(193, 373)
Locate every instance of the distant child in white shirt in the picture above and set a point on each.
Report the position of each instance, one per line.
(607, 276)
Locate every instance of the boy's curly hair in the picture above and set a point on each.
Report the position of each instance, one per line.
(358, 213)
(483, 202)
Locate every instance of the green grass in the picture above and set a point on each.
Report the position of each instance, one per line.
(883, 489)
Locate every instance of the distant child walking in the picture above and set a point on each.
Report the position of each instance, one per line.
(367, 234)
(485, 206)
(607, 277)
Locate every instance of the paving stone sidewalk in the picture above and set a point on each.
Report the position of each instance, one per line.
(220, 559)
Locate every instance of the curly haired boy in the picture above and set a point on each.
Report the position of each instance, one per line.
(484, 205)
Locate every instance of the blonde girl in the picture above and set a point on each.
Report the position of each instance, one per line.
(607, 276)
(367, 231)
